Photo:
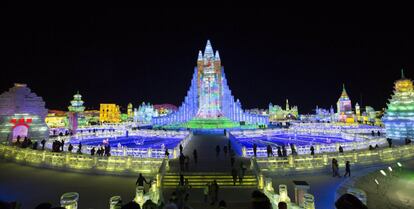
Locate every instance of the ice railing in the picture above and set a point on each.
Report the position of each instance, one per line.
(323, 161)
(125, 151)
(355, 138)
(81, 162)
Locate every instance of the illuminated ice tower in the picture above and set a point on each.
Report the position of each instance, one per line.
(399, 115)
(75, 108)
(209, 102)
(344, 108)
(209, 83)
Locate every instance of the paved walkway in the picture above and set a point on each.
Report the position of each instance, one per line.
(207, 159)
(208, 162)
(31, 186)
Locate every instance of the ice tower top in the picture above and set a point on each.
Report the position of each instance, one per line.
(404, 84)
(208, 51)
(344, 93)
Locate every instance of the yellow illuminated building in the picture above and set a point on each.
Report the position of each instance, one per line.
(56, 119)
(109, 113)
(130, 111)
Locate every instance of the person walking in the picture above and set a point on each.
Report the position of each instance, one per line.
(206, 192)
(389, 140)
(217, 150)
(222, 204)
(312, 149)
(182, 180)
(80, 148)
(347, 169)
(70, 147)
(43, 142)
(241, 176)
(181, 159)
(242, 168)
(225, 150)
(215, 190)
(62, 144)
(93, 151)
(279, 152)
(141, 180)
(255, 150)
(232, 160)
(187, 163)
(167, 154)
(284, 152)
(195, 156)
(181, 148)
(341, 150)
(234, 175)
(268, 150)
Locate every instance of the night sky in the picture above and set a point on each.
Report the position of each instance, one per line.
(135, 55)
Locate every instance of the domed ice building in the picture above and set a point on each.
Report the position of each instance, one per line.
(22, 113)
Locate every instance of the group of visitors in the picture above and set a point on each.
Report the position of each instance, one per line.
(24, 143)
(281, 150)
(370, 147)
(226, 149)
(57, 146)
(238, 174)
(373, 133)
(102, 150)
(335, 168)
(211, 191)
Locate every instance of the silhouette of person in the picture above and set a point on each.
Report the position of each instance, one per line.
(232, 160)
(217, 150)
(214, 192)
(140, 181)
(195, 156)
(279, 152)
(70, 148)
(167, 154)
(312, 149)
(43, 142)
(181, 148)
(182, 180)
(181, 159)
(225, 150)
(255, 150)
(80, 148)
(347, 169)
(341, 150)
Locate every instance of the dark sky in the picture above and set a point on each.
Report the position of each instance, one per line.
(135, 55)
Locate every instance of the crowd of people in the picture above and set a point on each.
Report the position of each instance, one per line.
(281, 150)
(59, 145)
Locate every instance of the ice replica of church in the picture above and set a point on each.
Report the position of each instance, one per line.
(209, 102)
(22, 113)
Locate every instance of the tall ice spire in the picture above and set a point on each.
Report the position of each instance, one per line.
(287, 104)
(208, 51)
(200, 56)
(344, 94)
(217, 56)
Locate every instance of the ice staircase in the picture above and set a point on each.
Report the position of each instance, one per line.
(199, 180)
